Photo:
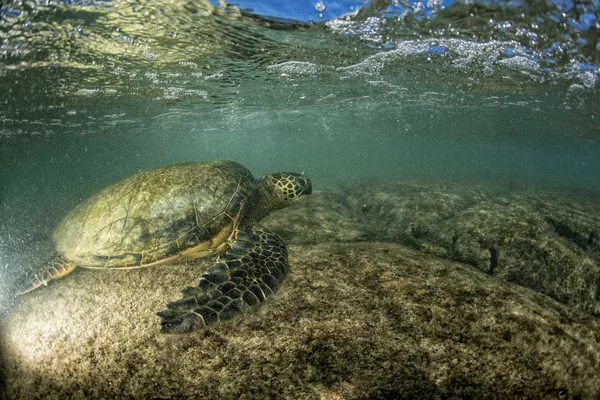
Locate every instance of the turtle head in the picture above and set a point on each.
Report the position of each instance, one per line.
(285, 187)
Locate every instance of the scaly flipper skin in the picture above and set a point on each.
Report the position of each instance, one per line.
(56, 268)
(246, 275)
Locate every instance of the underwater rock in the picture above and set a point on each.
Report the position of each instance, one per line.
(320, 218)
(352, 321)
(542, 240)
(410, 213)
(576, 217)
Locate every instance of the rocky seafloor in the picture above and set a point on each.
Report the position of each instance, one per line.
(396, 290)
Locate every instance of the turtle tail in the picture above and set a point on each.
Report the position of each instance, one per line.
(250, 271)
(56, 268)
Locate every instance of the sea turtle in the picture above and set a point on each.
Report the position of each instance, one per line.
(178, 212)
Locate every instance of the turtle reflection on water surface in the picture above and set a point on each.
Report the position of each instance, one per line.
(184, 211)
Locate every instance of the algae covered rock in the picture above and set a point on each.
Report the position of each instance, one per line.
(318, 219)
(410, 213)
(541, 240)
(575, 217)
(510, 238)
(353, 321)
(359, 317)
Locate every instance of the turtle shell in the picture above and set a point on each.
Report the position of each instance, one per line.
(157, 215)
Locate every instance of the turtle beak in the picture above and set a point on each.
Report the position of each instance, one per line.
(303, 185)
(308, 188)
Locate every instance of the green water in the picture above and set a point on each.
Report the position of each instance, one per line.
(91, 94)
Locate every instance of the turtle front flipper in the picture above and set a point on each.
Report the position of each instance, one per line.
(56, 268)
(246, 275)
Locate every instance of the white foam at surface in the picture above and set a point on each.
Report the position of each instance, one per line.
(293, 68)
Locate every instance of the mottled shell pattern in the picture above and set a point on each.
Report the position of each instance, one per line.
(157, 215)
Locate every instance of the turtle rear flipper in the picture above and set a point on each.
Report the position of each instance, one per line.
(245, 276)
(56, 268)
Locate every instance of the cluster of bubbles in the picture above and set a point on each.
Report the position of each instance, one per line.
(320, 7)
(557, 35)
